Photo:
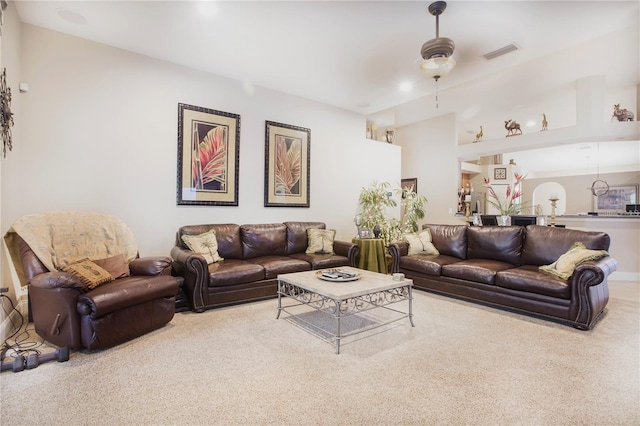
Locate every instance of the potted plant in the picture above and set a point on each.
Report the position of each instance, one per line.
(411, 209)
(511, 203)
(374, 199)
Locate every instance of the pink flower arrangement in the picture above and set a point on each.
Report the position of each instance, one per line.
(510, 204)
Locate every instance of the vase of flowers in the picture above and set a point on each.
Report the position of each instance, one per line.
(508, 205)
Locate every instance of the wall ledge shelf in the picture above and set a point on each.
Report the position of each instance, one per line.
(605, 132)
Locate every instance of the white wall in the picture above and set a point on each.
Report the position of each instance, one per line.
(99, 132)
(429, 153)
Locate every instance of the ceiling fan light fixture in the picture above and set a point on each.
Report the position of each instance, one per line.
(437, 67)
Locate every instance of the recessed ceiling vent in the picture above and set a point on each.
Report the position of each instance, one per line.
(499, 52)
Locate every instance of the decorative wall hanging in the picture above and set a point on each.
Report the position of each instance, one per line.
(208, 156)
(5, 114)
(615, 199)
(409, 184)
(287, 162)
(622, 114)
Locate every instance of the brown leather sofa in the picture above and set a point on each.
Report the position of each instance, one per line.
(499, 266)
(66, 314)
(254, 255)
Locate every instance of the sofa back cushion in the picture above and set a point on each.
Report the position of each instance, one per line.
(501, 243)
(543, 245)
(297, 235)
(264, 240)
(227, 234)
(450, 240)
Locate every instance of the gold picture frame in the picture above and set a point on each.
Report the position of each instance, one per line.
(208, 156)
(287, 165)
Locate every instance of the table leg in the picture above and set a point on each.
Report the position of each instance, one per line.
(279, 298)
(411, 307)
(338, 333)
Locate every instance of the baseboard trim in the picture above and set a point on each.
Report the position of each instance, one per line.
(8, 325)
(624, 276)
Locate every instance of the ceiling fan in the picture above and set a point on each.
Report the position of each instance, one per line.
(436, 53)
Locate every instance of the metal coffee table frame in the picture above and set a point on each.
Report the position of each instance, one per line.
(343, 299)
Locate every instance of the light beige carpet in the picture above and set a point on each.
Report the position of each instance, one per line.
(463, 363)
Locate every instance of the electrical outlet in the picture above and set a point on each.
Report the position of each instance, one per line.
(4, 289)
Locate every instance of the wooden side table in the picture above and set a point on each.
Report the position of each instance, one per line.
(372, 254)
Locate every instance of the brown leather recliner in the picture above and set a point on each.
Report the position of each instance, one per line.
(67, 314)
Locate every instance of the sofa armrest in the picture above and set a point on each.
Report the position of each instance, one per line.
(397, 250)
(589, 289)
(52, 280)
(152, 265)
(347, 249)
(195, 271)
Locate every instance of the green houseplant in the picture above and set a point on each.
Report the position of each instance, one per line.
(374, 199)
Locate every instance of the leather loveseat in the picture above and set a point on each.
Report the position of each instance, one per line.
(253, 256)
(500, 266)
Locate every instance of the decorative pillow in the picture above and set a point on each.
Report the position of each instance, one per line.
(421, 243)
(320, 241)
(116, 265)
(567, 263)
(204, 244)
(89, 273)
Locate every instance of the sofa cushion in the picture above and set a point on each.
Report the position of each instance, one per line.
(527, 278)
(205, 245)
(421, 243)
(450, 240)
(234, 271)
(274, 265)
(426, 264)
(322, 261)
(116, 265)
(227, 235)
(478, 270)
(545, 244)
(567, 263)
(320, 241)
(89, 273)
(502, 243)
(263, 240)
(297, 235)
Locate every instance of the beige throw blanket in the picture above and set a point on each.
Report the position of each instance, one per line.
(65, 237)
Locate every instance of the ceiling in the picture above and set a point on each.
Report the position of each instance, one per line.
(355, 54)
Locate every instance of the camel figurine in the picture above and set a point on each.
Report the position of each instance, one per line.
(513, 128)
(479, 136)
(622, 114)
(545, 124)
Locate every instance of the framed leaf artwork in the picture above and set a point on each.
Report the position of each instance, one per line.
(208, 156)
(287, 160)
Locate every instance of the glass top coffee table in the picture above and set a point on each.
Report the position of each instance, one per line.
(343, 297)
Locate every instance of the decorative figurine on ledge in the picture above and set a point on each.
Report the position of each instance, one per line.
(513, 128)
(622, 114)
(545, 124)
(389, 136)
(478, 136)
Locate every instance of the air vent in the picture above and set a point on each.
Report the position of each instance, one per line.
(499, 52)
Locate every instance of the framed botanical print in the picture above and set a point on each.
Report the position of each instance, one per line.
(208, 156)
(287, 163)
